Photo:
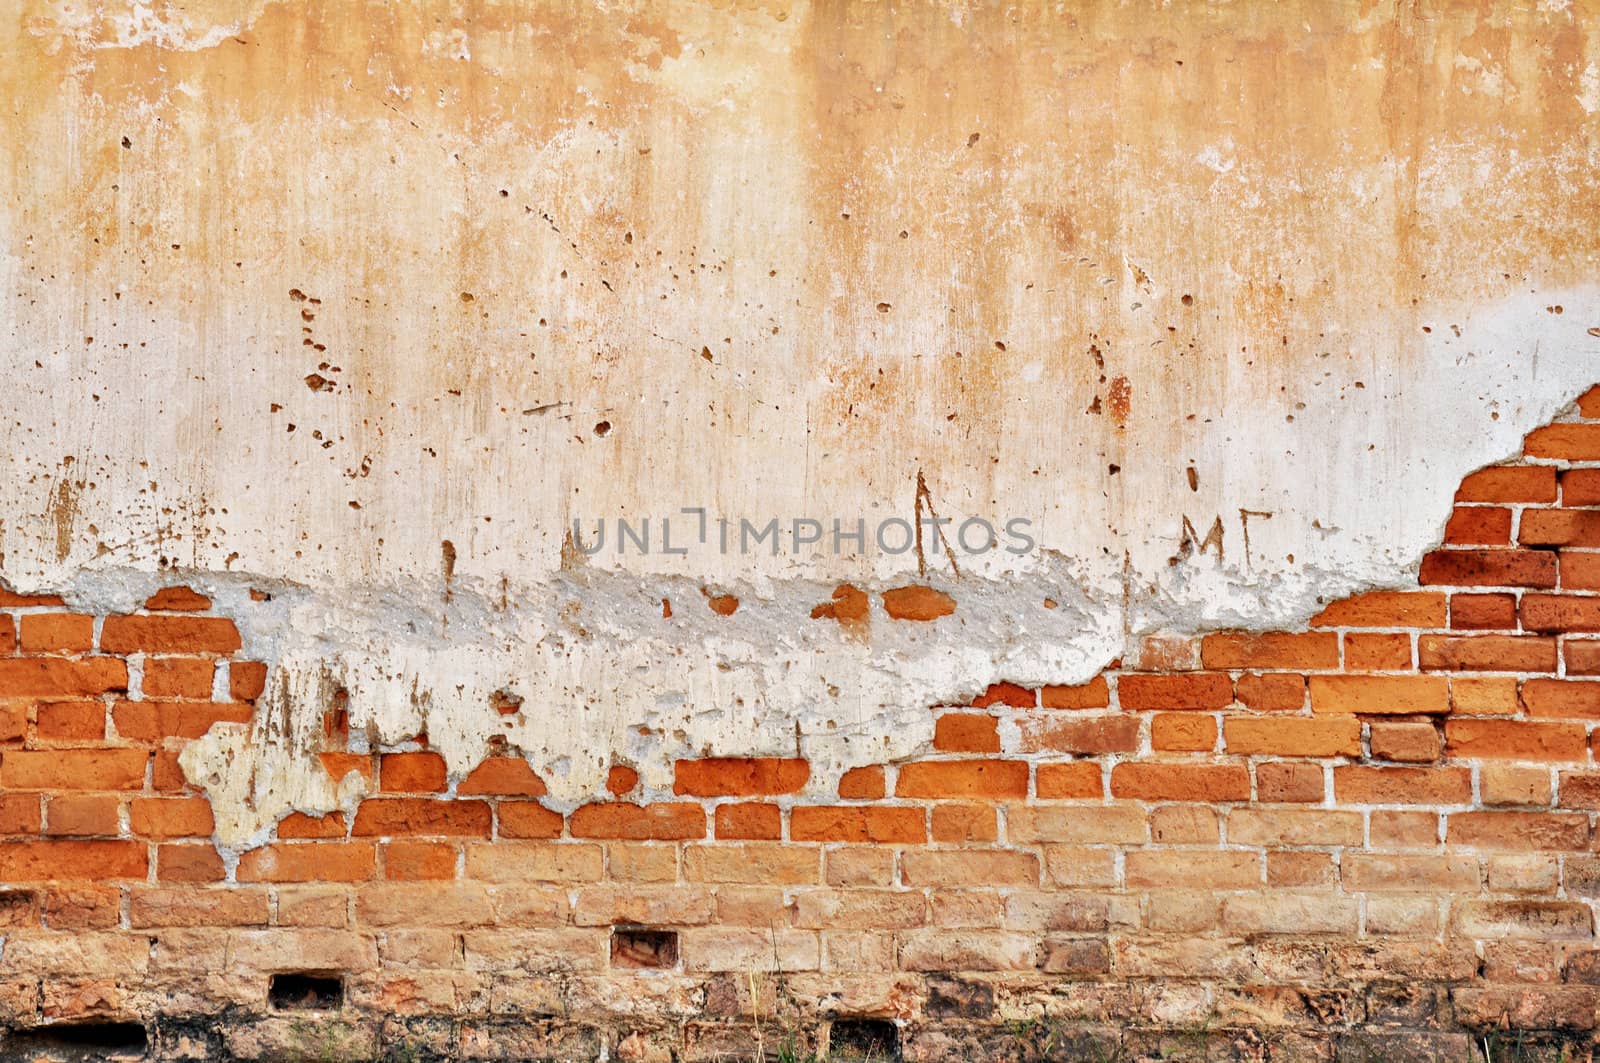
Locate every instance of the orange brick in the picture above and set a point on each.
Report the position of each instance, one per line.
(1181, 782)
(71, 859)
(1582, 656)
(1560, 527)
(1380, 694)
(740, 776)
(412, 773)
(1589, 404)
(1165, 653)
(1579, 571)
(178, 600)
(57, 633)
(1174, 869)
(1194, 690)
(1289, 869)
(1483, 612)
(963, 778)
(178, 677)
(1568, 441)
(1010, 694)
(166, 774)
(20, 814)
(1385, 609)
(1273, 692)
(1561, 613)
(1416, 743)
(170, 817)
(8, 635)
(620, 780)
(509, 776)
(1183, 731)
(421, 815)
(309, 862)
(964, 823)
(74, 769)
(71, 721)
(1095, 694)
(1116, 733)
(1404, 830)
(1579, 487)
(1078, 779)
(338, 765)
(418, 861)
(247, 680)
(862, 784)
(1489, 568)
(1276, 650)
(298, 825)
(917, 603)
(1515, 740)
(1514, 784)
(1509, 483)
(1518, 830)
(169, 634)
(856, 823)
(969, 868)
(965, 732)
(81, 815)
(1486, 653)
(14, 722)
(657, 822)
(1370, 651)
(1479, 526)
(1292, 736)
(1572, 699)
(152, 721)
(59, 677)
(1363, 785)
(1278, 782)
(528, 819)
(188, 863)
(750, 822)
(1483, 695)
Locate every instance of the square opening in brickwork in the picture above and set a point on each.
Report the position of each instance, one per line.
(641, 947)
(864, 1039)
(306, 992)
(77, 1041)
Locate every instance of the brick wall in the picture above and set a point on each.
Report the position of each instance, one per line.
(1371, 838)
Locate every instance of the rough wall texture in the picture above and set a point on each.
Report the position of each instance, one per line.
(1371, 838)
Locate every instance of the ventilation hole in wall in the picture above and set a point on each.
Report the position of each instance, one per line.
(876, 1039)
(78, 1041)
(305, 992)
(634, 946)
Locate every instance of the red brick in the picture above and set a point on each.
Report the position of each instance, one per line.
(1479, 526)
(338, 765)
(966, 732)
(963, 778)
(418, 861)
(862, 784)
(1509, 483)
(1482, 612)
(421, 815)
(309, 862)
(1385, 609)
(1483, 695)
(8, 635)
(298, 825)
(84, 815)
(1486, 653)
(170, 817)
(71, 721)
(57, 633)
(189, 863)
(1579, 789)
(1273, 692)
(178, 677)
(964, 824)
(1079, 734)
(178, 600)
(1560, 527)
(1017, 697)
(60, 860)
(247, 680)
(528, 819)
(1363, 785)
(14, 721)
(1489, 568)
(58, 677)
(1582, 656)
(1276, 650)
(81, 907)
(1181, 782)
(750, 822)
(1579, 487)
(1563, 613)
(857, 823)
(74, 769)
(20, 814)
(1380, 694)
(510, 776)
(1289, 783)
(1196, 690)
(168, 634)
(1183, 731)
(1579, 571)
(740, 776)
(1515, 740)
(1415, 743)
(657, 822)
(1589, 403)
(1292, 736)
(917, 603)
(412, 773)
(152, 721)
(1078, 779)
(620, 780)
(1095, 694)
(1519, 831)
(1572, 699)
(1366, 651)
(1568, 441)
(166, 774)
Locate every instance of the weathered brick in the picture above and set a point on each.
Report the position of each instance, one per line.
(1404, 830)
(418, 861)
(853, 823)
(56, 633)
(152, 721)
(458, 904)
(754, 863)
(1374, 651)
(1416, 743)
(422, 816)
(1078, 779)
(1009, 694)
(1288, 782)
(740, 776)
(1183, 731)
(1509, 483)
(1272, 692)
(1117, 733)
(534, 861)
(1582, 656)
(71, 721)
(860, 909)
(53, 860)
(318, 861)
(1567, 440)
(655, 822)
(1486, 653)
(1290, 913)
(1380, 694)
(862, 784)
(1489, 568)
(1541, 920)
(1479, 526)
(745, 950)
(1182, 869)
(1194, 690)
(1409, 874)
(1518, 830)
(1185, 825)
(1359, 784)
(178, 677)
(644, 905)
(966, 732)
(1572, 699)
(1291, 736)
(74, 769)
(1180, 782)
(60, 677)
(1560, 527)
(1579, 487)
(247, 680)
(412, 773)
(963, 823)
(1515, 740)
(1512, 784)
(1380, 609)
(1560, 612)
(170, 817)
(187, 906)
(81, 815)
(1094, 825)
(169, 634)
(1579, 570)
(1483, 695)
(1483, 612)
(749, 821)
(505, 776)
(1275, 650)
(188, 863)
(1095, 694)
(1293, 827)
(969, 867)
(963, 779)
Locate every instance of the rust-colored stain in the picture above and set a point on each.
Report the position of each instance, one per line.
(1119, 398)
(849, 605)
(917, 602)
(721, 604)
